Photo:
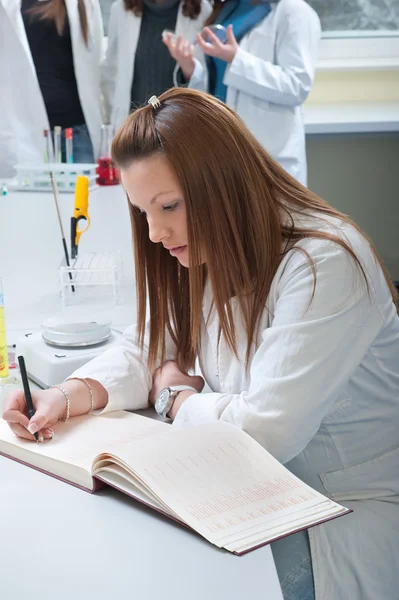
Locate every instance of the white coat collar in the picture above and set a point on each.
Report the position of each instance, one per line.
(181, 21)
(222, 356)
(73, 13)
(11, 7)
(13, 10)
(211, 322)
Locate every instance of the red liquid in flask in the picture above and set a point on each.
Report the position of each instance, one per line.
(107, 173)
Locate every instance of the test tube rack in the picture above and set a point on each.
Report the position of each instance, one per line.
(36, 177)
(91, 270)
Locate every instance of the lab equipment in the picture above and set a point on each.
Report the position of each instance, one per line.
(97, 275)
(77, 335)
(48, 362)
(80, 212)
(11, 356)
(35, 177)
(57, 144)
(218, 30)
(3, 341)
(106, 170)
(69, 145)
(57, 207)
(48, 153)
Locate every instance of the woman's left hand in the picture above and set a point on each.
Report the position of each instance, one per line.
(170, 375)
(182, 51)
(214, 47)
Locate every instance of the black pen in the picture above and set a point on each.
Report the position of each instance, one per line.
(28, 397)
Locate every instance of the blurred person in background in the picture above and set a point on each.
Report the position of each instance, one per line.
(51, 65)
(264, 71)
(137, 63)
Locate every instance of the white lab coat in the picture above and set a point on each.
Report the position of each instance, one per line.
(271, 76)
(118, 67)
(23, 114)
(321, 394)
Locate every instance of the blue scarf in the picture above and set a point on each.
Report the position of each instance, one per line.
(246, 24)
(253, 18)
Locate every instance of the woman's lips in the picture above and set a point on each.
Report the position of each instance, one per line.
(177, 250)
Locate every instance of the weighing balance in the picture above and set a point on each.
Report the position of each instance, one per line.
(54, 353)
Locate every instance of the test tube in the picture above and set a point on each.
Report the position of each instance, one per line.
(47, 150)
(3, 343)
(69, 145)
(57, 144)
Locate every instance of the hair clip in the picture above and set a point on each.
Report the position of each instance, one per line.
(155, 102)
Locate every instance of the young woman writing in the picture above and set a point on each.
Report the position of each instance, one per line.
(291, 314)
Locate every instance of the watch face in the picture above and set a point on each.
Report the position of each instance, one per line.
(162, 401)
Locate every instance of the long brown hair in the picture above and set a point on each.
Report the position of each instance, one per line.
(191, 8)
(216, 9)
(240, 205)
(55, 10)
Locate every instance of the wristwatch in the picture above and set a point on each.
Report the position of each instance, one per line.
(166, 397)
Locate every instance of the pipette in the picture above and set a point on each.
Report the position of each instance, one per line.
(218, 30)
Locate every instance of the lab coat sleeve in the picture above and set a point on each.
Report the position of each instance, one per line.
(288, 82)
(98, 34)
(305, 357)
(109, 64)
(122, 370)
(199, 78)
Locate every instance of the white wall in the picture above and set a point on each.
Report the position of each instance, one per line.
(359, 175)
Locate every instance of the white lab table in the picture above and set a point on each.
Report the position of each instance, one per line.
(31, 253)
(57, 541)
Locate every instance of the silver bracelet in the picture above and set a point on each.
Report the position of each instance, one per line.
(87, 384)
(67, 398)
(91, 395)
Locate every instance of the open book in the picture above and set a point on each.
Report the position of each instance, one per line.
(213, 478)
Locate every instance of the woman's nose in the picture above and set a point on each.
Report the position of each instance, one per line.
(156, 230)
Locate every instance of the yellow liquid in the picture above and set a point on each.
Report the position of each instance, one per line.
(3, 346)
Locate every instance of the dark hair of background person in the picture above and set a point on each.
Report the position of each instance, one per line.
(55, 10)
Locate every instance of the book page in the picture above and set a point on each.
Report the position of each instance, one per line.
(120, 480)
(76, 443)
(223, 484)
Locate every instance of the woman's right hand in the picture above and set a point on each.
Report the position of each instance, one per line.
(49, 404)
(182, 51)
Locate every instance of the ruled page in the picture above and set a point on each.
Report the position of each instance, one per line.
(77, 442)
(221, 482)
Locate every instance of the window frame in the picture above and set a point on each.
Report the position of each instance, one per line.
(358, 50)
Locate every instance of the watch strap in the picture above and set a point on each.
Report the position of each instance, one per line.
(175, 389)
(181, 388)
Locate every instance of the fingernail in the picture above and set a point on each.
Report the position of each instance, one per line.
(33, 428)
(48, 435)
(40, 438)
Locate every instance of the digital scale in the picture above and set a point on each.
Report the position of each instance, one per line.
(53, 354)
